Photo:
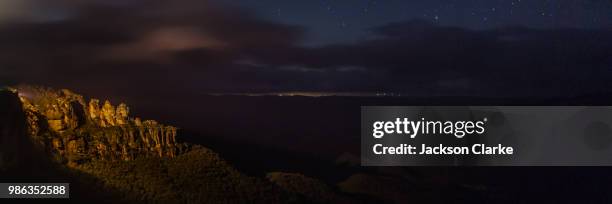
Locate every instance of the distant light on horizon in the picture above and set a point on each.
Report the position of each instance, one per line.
(314, 94)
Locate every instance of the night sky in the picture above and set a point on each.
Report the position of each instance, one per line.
(425, 48)
(337, 21)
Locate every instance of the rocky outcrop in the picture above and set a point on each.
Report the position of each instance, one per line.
(12, 130)
(121, 115)
(19, 155)
(65, 125)
(94, 139)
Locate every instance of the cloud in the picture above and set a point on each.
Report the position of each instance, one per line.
(162, 44)
(20, 11)
(117, 44)
(139, 47)
(423, 58)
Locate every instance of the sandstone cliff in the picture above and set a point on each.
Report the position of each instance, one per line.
(126, 159)
(74, 129)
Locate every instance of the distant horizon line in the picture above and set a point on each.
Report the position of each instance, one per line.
(336, 94)
(309, 94)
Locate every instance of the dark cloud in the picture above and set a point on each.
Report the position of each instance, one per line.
(140, 47)
(135, 43)
(422, 58)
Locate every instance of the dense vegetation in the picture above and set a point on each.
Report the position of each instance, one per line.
(198, 176)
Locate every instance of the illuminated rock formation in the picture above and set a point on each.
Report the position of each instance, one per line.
(121, 117)
(75, 131)
(108, 114)
(94, 110)
(43, 125)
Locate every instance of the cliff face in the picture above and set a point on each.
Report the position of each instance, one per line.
(96, 139)
(13, 144)
(76, 130)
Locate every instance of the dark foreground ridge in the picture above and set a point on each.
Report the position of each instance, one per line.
(57, 135)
